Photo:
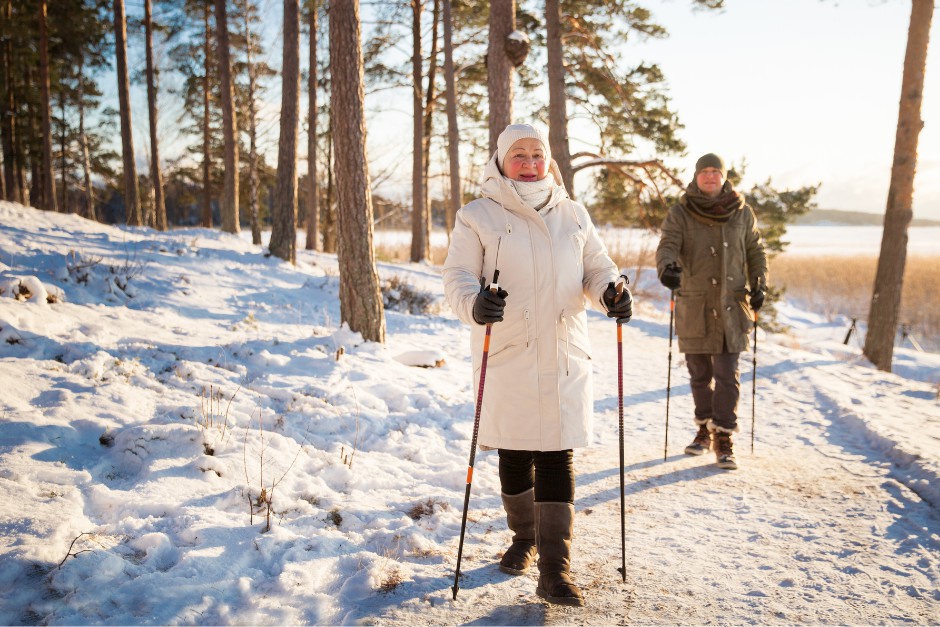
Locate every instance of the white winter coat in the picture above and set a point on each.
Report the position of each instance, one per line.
(538, 392)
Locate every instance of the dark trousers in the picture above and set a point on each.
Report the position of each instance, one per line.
(551, 473)
(716, 386)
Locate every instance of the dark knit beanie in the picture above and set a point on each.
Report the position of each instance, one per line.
(711, 160)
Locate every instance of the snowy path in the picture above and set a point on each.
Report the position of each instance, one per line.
(812, 529)
(105, 436)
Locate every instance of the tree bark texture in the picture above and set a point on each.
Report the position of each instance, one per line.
(156, 175)
(131, 200)
(359, 294)
(313, 202)
(557, 101)
(889, 277)
(48, 182)
(206, 154)
(419, 244)
(328, 219)
(430, 98)
(63, 158)
(90, 212)
(7, 115)
(284, 213)
(251, 70)
(453, 131)
(229, 209)
(499, 68)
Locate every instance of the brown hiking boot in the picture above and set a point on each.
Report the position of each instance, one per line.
(554, 528)
(724, 451)
(701, 443)
(520, 516)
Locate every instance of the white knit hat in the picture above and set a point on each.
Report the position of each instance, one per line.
(513, 133)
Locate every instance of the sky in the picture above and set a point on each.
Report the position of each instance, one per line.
(179, 373)
(803, 91)
(806, 91)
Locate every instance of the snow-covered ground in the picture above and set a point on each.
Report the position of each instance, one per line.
(182, 380)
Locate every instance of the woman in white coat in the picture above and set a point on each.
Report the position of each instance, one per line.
(538, 400)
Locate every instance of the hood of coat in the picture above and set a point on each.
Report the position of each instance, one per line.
(498, 188)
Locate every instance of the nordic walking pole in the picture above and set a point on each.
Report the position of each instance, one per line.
(672, 311)
(494, 287)
(623, 516)
(754, 385)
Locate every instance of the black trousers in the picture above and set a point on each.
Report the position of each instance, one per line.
(551, 473)
(716, 387)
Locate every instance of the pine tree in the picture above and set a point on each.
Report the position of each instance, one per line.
(889, 278)
(360, 299)
(283, 242)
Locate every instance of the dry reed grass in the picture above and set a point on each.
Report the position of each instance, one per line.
(830, 285)
(401, 253)
(837, 285)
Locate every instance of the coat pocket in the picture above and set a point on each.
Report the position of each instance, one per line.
(690, 314)
(577, 245)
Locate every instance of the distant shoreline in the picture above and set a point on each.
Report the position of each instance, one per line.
(838, 217)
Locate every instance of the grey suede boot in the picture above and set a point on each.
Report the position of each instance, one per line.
(520, 516)
(554, 526)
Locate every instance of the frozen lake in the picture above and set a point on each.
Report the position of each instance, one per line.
(804, 240)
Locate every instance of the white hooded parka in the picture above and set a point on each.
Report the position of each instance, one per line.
(538, 392)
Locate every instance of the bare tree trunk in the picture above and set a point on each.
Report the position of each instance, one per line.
(131, 201)
(328, 223)
(48, 181)
(90, 212)
(499, 68)
(313, 204)
(24, 158)
(284, 214)
(557, 101)
(63, 156)
(252, 137)
(430, 99)
(206, 155)
(230, 219)
(453, 132)
(419, 245)
(359, 295)
(7, 115)
(156, 175)
(889, 278)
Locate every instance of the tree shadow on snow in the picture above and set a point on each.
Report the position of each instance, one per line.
(632, 486)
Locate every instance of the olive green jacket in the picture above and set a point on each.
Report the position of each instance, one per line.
(719, 261)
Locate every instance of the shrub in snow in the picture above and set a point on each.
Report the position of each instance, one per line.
(399, 295)
(30, 288)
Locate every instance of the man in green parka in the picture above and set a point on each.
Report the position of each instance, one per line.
(712, 256)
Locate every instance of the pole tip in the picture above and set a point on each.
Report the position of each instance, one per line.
(455, 588)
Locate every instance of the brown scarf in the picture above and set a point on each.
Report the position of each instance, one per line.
(712, 210)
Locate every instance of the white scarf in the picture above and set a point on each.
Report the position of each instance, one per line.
(535, 194)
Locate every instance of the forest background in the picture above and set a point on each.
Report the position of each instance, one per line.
(235, 156)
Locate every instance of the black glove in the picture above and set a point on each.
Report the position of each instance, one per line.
(621, 309)
(671, 276)
(488, 307)
(757, 298)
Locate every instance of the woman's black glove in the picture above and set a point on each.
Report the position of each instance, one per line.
(488, 307)
(757, 298)
(671, 276)
(619, 305)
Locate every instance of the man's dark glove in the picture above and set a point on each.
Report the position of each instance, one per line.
(671, 276)
(620, 308)
(488, 307)
(757, 298)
